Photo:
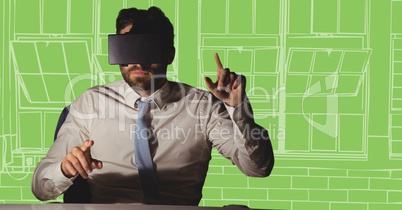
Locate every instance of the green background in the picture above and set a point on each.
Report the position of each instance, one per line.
(324, 77)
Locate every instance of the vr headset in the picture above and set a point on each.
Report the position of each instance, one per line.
(127, 49)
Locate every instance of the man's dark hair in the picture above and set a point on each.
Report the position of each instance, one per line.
(152, 21)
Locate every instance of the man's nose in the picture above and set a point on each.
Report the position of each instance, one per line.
(145, 66)
(141, 66)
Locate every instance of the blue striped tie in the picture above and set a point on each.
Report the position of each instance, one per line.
(143, 155)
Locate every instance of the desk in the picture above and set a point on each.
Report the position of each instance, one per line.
(58, 206)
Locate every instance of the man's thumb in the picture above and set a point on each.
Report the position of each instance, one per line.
(209, 83)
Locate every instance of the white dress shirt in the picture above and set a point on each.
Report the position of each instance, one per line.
(186, 124)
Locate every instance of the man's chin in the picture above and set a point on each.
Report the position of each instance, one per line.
(140, 86)
(145, 84)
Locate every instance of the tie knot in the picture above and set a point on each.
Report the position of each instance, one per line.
(143, 106)
(146, 102)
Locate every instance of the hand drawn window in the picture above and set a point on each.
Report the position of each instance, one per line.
(251, 48)
(326, 91)
(45, 71)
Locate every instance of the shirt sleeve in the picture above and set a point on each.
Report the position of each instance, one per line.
(234, 133)
(48, 181)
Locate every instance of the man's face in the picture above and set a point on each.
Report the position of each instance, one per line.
(143, 77)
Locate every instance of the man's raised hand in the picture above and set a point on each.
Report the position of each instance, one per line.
(229, 87)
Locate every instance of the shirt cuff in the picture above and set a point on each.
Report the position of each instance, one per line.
(230, 110)
(61, 182)
(242, 112)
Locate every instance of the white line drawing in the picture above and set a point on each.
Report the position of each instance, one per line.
(307, 64)
(395, 129)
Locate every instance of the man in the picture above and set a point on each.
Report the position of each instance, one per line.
(98, 138)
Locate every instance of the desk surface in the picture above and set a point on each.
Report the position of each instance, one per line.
(58, 206)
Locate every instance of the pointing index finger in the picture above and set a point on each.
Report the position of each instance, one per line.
(87, 145)
(218, 61)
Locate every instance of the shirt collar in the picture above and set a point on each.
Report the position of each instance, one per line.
(160, 96)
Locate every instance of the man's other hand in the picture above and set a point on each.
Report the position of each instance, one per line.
(80, 161)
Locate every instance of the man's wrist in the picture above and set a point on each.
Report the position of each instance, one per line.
(236, 103)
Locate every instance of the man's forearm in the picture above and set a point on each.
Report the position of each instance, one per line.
(255, 154)
(48, 181)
